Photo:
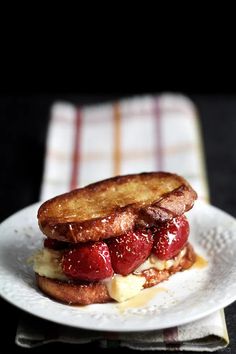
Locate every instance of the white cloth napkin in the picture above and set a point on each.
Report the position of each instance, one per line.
(86, 144)
(207, 334)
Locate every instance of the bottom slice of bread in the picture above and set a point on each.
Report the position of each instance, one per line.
(81, 293)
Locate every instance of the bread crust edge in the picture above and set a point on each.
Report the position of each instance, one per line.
(123, 219)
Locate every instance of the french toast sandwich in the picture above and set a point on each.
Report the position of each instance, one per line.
(111, 239)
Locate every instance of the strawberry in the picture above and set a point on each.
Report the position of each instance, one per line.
(90, 261)
(130, 250)
(170, 238)
(54, 244)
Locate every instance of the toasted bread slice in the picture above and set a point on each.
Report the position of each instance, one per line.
(75, 293)
(115, 206)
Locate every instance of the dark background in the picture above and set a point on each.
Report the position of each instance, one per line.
(24, 120)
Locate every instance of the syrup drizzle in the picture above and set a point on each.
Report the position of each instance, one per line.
(141, 299)
(200, 262)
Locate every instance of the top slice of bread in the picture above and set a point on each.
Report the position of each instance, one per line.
(115, 206)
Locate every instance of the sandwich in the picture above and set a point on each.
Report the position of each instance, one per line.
(111, 239)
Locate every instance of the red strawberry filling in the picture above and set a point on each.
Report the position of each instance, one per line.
(170, 238)
(94, 261)
(55, 244)
(130, 250)
(89, 261)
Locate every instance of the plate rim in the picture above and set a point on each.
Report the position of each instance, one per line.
(109, 328)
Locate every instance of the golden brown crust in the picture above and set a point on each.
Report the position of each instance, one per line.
(74, 293)
(115, 206)
(89, 293)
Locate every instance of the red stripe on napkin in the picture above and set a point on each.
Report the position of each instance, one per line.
(76, 152)
(170, 336)
(157, 115)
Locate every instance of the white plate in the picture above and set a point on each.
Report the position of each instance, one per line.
(187, 296)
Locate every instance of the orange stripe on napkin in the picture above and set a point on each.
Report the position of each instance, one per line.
(117, 139)
(76, 152)
(170, 335)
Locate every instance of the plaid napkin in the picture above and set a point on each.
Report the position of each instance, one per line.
(86, 144)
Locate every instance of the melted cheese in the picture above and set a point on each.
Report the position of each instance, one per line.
(122, 288)
(47, 263)
(154, 262)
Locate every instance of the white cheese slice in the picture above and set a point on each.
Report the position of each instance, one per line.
(47, 263)
(122, 288)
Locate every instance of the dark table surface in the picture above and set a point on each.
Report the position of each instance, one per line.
(23, 126)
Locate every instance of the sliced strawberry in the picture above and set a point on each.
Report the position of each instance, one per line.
(171, 237)
(54, 244)
(130, 250)
(90, 261)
